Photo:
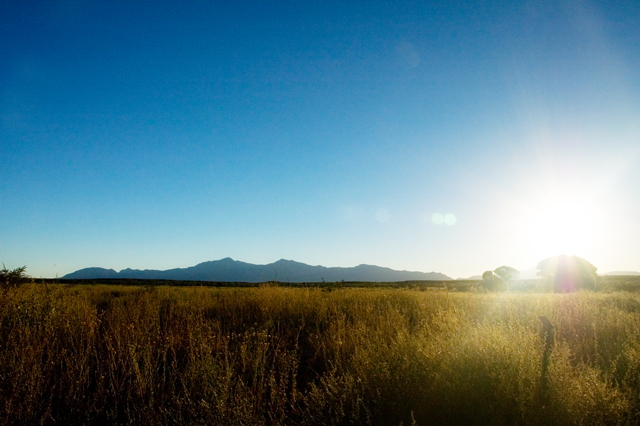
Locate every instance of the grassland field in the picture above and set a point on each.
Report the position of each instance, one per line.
(330, 355)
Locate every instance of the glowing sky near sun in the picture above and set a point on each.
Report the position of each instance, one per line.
(446, 136)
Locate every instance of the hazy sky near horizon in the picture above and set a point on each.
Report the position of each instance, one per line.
(430, 135)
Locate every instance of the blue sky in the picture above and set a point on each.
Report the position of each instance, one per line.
(435, 136)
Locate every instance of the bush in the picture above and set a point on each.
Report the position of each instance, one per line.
(15, 278)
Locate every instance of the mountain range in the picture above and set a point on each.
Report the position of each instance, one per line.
(618, 273)
(229, 270)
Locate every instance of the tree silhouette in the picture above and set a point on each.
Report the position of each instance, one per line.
(492, 282)
(488, 275)
(507, 273)
(499, 278)
(568, 273)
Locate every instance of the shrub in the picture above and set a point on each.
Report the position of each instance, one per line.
(15, 278)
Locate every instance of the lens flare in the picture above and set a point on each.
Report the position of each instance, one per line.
(437, 218)
(447, 219)
(450, 219)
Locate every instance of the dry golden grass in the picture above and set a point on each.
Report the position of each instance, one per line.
(285, 356)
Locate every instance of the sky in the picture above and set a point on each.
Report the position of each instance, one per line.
(448, 136)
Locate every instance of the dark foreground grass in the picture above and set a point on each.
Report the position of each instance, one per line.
(283, 356)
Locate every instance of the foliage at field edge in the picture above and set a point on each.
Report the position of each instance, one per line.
(282, 356)
(12, 278)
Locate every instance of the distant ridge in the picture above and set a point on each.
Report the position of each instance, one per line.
(613, 273)
(229, 270)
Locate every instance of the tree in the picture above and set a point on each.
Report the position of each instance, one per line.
(488, 275)
(499, 278)
(13, 278)
(507, 273)
(568, 273)
(492, 282)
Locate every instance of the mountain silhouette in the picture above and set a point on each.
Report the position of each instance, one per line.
(229, 270)
(618, 273)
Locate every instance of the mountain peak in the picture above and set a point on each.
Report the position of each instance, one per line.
(286, 262)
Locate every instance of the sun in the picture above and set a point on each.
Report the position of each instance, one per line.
(560, 225)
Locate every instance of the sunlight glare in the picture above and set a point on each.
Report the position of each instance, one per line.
(561, 226)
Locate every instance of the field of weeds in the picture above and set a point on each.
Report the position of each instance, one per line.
(284, 356)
